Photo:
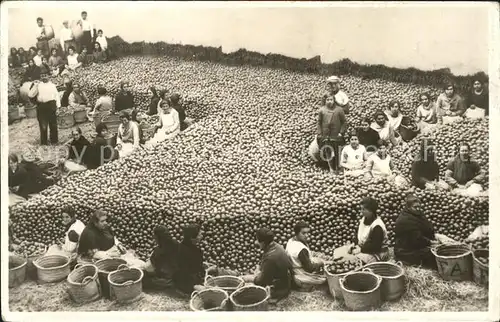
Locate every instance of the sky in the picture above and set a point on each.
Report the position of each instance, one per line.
(425, 37)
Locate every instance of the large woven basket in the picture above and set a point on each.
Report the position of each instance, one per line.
(126, 284)
(251, 298)
(333, 281)
(480, 270)
(104, 267)
(17, 270)
(361, 290)
(226, 283)
(393, 275)
(52, 268)
(454, 261)
(212, 299)
(83, 284)
(31, 271)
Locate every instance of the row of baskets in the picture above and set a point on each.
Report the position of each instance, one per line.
(64, 121)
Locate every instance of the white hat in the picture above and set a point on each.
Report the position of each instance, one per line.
(333, 79)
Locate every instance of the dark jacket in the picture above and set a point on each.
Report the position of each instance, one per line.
(153, 106)
(101, 151)
(191, 271)
(412, 231)
(79, 150)
(423, 172)
(30, 178)
(481, 101)
(370, 139)
(124, 101)
(32, 74)
(94, 238)
(165, 260)
(276, 271)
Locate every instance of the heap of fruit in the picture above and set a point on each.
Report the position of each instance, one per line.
(30, 248)
(446, 139)
(481, 243)
(342, 267)
(483, 259)
(244, 165)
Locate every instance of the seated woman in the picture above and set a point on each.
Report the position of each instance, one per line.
(23, 56)
(14, 58)
(32, 72)
(465, 176)
(128, 137)
(370, 242)
(162, 266)
(102, 148)
(384, 129)
(68, 89)
(368, 137)
(477, 101)
(85, 58)
(353, 157)
(175, 102)
(99, 55)
(155, 100)
(379, 165)
(414, 236)
(103, 104)
(98, 242)
(306, 268)
(78, 98)
(425, 169)
(44, 66)
(73, 61)
(450, 106)
(73, 230)
(426, 114)
(55, 63)
(394, 116)
(79, 151)
(168, 127)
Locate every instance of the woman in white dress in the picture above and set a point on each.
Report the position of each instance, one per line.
(394, 116)
(168, 127)
(127, 139)
(426, 114)
(353, 158)
(73, 228)
(73, 63)
(379, 165)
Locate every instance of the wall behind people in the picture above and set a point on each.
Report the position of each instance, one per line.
(425, 38)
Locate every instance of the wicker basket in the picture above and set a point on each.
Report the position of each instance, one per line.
(83, 284)
(112, 121)
(104, 267)
(30, 112)
(393, 275)
(65, 121)
(454, 261)
(17, 270)
(212, 299)
(361, 290)
(480, 270)
(226, 283)
(80, 116)
(52, 268)
(126, 284)
(31, 270)
(251, 298)
(333, 281)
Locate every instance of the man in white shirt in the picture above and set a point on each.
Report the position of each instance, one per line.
(66, 37)
(88, 33)
(42, 42)
(48, 102)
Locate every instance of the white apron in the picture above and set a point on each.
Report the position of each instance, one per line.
(302, 278)
(381, 168)
(363, 235)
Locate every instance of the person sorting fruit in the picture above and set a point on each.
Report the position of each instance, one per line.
(353, 157)
(128, 137)
(450, 106)
(426, 114)
(425, 169)
(275, 269)
(464, 175)
(306, 268)
(331, 127)
(414, 236)
(341, 98)
(477, 101)
(124, 100)
(370, 242)
(368, 137)
(74, 229)
(79, 150)
(98, 242)
(384, 128)
(102, 149)
(169, 125)
(380, 165)
(160, 269)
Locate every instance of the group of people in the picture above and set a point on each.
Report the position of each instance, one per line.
(64, 57)
(367, 153)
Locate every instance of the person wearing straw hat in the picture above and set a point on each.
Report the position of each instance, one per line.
(306, 268)
(73, 230)
(341, 98)
(275, 269)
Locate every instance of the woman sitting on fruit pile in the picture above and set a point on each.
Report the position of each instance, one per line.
(425, 169)
(414, 236)
(97, 242)
(168, 127)
(73, 61)
(379, 165)
(384, 129)
(14, 58)
(128, 137)
(155, 102)
(353, 157)
(78, 152)
(55, 63)
(307, 269)
(394, 116)
(102, 149)
(99, 55)
(124, 100)
(450, 106)
(78, 98)
(370, 242)
(160, 269)
(464, 175)
(32, 72)
(275, 268)
(175, 102)
(477, 101)
(74, 229)
(426, 114)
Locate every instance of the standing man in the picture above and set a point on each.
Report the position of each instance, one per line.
(66, 38)
(48, 102)
(88, 32)
(41, 38)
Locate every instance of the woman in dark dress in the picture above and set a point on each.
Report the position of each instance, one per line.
(479, 98)
(23, 56)
(67, 91)
(103, 150)
(32, 73)
(155, 99)
(14, 58)
(124, 100)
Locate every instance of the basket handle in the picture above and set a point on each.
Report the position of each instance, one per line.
(367, 269)
(194, 293)
(78, 266)
(127, 283)
(87, 280)
(223, 303)
(207, 278)
(122, 267)
(268, 290)
(399, 263)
